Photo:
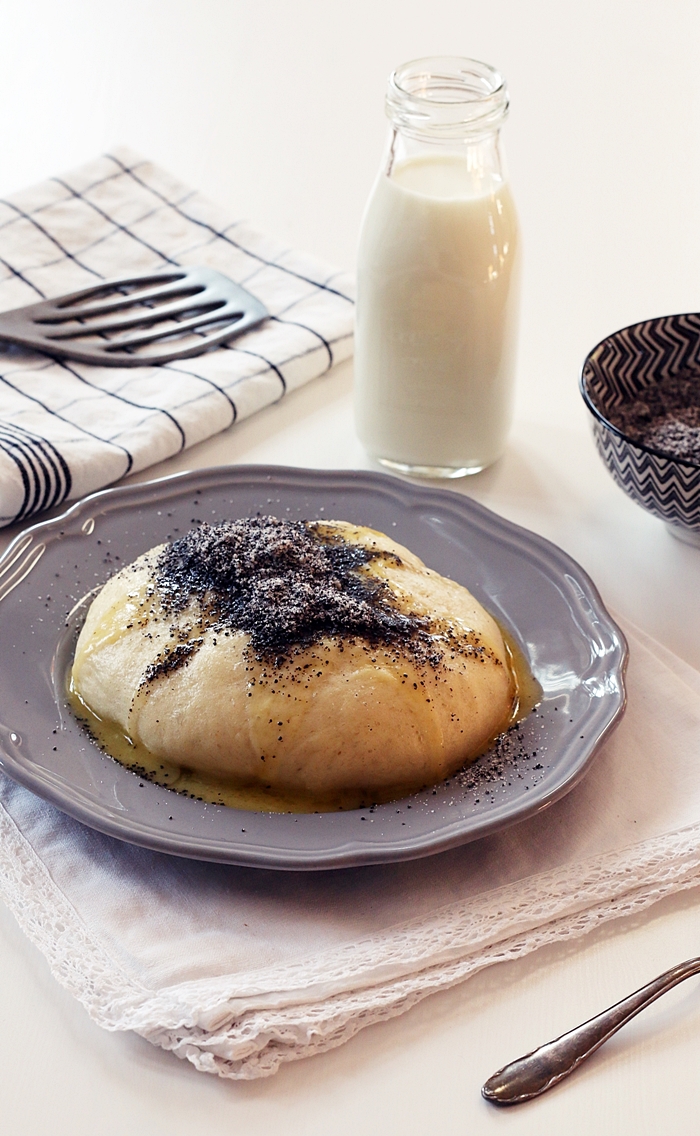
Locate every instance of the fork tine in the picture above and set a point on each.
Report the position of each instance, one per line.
(141, 317)
(231, 312)
(222, 335)
(63, 313)
(164, 278)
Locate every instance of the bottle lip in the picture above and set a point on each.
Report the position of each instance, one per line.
(446, 97)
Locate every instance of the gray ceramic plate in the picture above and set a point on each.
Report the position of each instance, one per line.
(546, 600)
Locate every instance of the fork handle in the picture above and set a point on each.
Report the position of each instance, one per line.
(538, 1071)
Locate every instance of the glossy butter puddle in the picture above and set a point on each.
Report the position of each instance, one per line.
(141, 762)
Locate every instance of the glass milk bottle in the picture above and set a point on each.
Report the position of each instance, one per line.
(438, 279)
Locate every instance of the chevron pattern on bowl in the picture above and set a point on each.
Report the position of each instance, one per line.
(621, 367)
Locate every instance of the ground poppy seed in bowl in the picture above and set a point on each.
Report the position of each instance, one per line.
(665, 416)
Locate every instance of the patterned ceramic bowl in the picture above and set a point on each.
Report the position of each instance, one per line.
(622, 366)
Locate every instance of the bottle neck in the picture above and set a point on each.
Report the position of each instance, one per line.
(448, 110)
(446, 99)
(480, 160)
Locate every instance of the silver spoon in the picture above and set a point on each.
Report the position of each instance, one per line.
(538, 1071)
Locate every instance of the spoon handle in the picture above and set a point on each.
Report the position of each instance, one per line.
(533, 1074)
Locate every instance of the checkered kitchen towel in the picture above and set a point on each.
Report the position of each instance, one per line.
(67, 428)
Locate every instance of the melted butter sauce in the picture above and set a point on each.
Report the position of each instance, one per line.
(256, 798)
(528, 692)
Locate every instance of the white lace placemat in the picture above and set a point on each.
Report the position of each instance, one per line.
(239, 970)
(68, 428)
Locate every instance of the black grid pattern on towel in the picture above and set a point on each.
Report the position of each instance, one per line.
(46, 478)
(67, 428)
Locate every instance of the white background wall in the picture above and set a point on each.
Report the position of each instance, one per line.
(275, 107)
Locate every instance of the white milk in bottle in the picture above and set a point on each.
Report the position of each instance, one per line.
(437, 290)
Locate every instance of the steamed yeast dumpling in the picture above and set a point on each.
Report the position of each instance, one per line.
(319, 659)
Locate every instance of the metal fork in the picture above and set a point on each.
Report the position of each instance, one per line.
(529, 1076)
(198, 307)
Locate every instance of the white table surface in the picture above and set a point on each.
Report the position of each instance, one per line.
(275, 107)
